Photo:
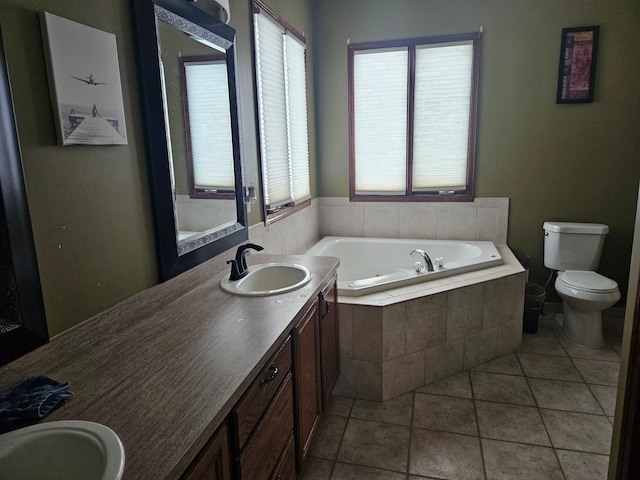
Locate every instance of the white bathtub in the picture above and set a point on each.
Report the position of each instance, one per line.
(370, 265)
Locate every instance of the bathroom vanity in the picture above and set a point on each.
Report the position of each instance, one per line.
(199, 383)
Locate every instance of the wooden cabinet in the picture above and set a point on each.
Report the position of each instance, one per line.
(306, 370)
(262, 422)
(329, 339)
(270, 429)
(213, 461)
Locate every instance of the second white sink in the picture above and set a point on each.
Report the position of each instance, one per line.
(268, 279)
(68, 449)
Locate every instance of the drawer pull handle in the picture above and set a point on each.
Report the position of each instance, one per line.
(274, 374)
(326, 308)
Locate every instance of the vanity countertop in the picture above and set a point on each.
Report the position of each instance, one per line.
(164, 367)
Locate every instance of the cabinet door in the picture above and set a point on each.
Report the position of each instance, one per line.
(329, 339)
(266, 444)
(212, 463)
(307, 381)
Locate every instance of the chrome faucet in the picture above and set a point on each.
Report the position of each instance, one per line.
(427, 261)
(239, 267)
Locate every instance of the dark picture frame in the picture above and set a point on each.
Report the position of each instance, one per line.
(577, 71)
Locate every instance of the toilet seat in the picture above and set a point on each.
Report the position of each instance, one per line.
(587, 281)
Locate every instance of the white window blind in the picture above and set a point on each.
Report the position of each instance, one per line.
(441, 116)
(412, 104)
(282, 111)
(210, 125)
(297, 128)
(380, 110)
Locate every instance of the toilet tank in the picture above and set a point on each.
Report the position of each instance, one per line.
(573, 246)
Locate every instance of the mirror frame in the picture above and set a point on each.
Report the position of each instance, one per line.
(18, 235)
(173, 258)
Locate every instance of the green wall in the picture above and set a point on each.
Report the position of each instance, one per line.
(555, 162)
(90, 206)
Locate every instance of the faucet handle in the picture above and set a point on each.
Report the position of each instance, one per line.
(242, 251)
(235, 272)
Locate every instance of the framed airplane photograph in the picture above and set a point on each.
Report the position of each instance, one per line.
(84, 82)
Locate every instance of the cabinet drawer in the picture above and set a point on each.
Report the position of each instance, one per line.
(264, 448)
(250, 408)
(286, 468)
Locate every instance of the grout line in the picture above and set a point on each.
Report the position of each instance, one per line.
(475, 412)
(411, 420)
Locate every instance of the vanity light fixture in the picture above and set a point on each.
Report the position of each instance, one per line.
(224, 5)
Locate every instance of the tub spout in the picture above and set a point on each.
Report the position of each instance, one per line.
(427, 261)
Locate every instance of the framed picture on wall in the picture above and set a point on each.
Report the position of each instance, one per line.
(577, 72)
(84, 82)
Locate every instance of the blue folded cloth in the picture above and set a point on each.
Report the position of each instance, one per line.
(29, 401)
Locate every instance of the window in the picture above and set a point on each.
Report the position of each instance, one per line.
(412, 115)
(208, 126)
(282, 110)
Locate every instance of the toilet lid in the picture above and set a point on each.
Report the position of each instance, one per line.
(588, 281)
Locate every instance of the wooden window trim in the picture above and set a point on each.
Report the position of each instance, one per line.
(466, 195)
(196, 192)
(284, 210)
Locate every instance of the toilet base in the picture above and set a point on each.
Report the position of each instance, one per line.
(583, 328)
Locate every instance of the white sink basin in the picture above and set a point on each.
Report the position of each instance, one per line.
(69, 450)
(268, 279)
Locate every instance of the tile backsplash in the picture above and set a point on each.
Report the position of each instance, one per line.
(482, 219)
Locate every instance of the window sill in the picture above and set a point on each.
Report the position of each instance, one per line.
(461, 197)
(283, 212)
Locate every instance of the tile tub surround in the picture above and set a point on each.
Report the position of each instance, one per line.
(395, 341)
(499, 420)
(482, 219)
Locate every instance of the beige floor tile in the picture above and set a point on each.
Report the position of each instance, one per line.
(547, 325)
(345, 471)
(606, 352)
(510, 461)
(316, 469)
(549, 366)
(578, 431)
(495, 387)
(606, 396)
(583, 466)
(598, 372)
(507, 364)
(397, 410)
(541, 344)
(457, 385)
(560, 395)
(375, 444)
(445, 455)
(513, 423)
(447, 414)
(340, 406)
(326, 440)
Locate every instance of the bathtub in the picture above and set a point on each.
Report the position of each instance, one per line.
(369, 265)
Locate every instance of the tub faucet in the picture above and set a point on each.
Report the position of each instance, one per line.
(427, 261)
(239, 267)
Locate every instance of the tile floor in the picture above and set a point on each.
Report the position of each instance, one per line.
(545, 412)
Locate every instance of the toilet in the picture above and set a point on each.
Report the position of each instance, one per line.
(573, 249)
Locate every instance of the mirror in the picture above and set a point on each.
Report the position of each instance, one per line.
(23, 326)
(187, 81)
